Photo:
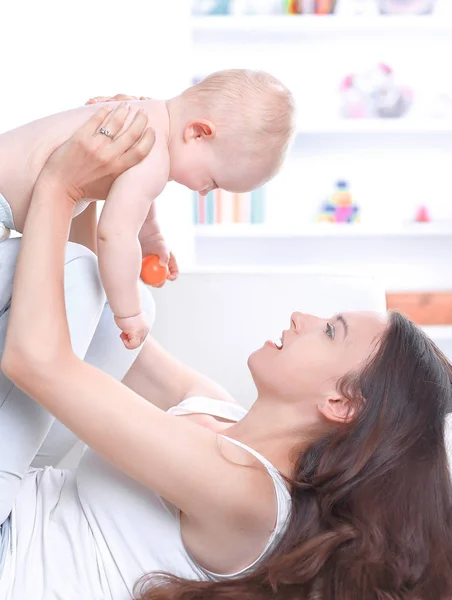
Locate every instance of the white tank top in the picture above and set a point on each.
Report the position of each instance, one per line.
(93, 532)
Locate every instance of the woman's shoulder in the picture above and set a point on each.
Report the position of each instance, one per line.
(256, 538)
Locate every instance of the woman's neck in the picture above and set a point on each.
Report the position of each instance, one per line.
(275, 429)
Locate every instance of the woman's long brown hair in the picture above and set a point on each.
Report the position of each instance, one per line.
(371, 517)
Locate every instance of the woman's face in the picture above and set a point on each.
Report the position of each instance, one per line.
(315, 354)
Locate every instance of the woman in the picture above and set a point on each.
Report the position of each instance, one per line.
(334, 485)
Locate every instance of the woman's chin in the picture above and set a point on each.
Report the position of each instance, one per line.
(260, 360)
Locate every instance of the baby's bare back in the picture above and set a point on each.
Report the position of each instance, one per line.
(24, 151)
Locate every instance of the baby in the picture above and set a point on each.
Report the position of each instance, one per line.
(230, 131)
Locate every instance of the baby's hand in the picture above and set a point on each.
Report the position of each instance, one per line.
(158, 247)
(134, 330)
(173, 268)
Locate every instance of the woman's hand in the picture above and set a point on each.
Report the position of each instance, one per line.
(117, 98)
(90, 157)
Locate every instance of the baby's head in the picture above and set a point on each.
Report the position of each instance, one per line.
(230, 131)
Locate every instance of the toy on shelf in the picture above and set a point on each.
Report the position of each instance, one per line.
(292, 7)
(309, 7)
(422, 215)
(339, 207)
(152, 272)
(374, 94)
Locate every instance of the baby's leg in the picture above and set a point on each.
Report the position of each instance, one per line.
(106, 352)
(23, 423)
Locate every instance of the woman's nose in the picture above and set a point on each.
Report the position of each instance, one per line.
(303, 321)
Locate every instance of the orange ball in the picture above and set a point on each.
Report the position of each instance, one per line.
(152, 272)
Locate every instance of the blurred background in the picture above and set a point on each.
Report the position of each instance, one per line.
(367, 185)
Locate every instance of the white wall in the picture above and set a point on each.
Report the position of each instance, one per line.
(57, 54)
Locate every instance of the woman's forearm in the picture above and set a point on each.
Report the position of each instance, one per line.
(38, 329)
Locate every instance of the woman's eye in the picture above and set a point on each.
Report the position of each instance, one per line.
(330, 331)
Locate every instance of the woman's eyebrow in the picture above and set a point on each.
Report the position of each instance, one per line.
(344, 323)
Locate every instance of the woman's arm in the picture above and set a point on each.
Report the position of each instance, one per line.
(186, 464)
(85, 159)
(160, 378)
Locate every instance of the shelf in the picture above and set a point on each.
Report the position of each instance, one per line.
(286, 24)
(324, 230)
(375, 126)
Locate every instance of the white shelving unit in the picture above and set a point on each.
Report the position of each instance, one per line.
(416, 230)
(253, 25)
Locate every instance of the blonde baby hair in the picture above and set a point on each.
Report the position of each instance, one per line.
(251, 108)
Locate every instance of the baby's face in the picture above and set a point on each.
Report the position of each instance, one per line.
(193, 165)
(203, 168)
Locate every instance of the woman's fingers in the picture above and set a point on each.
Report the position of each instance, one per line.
(94, 123)
(133, 143)
(103, 118)
(131, 134)
(135, 154)
(115, 122)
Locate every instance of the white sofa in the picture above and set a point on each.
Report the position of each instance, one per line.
(212, 319)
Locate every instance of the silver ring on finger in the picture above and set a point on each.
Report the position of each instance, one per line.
(104, 131)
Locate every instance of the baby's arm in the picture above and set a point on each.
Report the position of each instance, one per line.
(153, 242)
(123, 215)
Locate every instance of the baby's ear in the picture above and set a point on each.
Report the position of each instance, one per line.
(199, 129)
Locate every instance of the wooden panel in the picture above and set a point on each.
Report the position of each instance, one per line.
(424, 308)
